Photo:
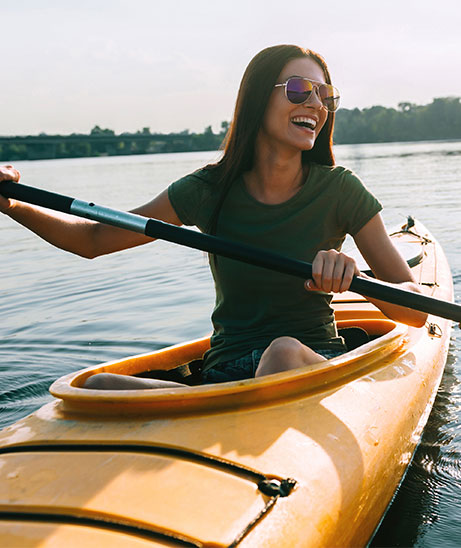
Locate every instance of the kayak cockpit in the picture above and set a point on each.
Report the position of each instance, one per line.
(378, 342)
(386, 338)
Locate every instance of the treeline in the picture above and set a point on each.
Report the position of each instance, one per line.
(438, 120)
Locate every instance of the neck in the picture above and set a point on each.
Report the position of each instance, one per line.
(276, 175)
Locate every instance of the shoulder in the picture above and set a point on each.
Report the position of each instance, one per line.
(193, 194)
(200, 181)
(202, 176)
(355, 203)
(334, 180)
(334, 173)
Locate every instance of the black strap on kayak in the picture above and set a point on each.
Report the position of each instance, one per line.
(271, 487)
(274, 489)
(49, 446)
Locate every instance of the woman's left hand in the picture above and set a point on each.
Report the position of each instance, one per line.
(332, 271)
(7, 173)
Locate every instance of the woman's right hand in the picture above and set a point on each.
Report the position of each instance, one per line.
(332, 272)
(7, 173)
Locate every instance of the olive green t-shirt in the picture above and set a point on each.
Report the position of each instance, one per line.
(255, 305)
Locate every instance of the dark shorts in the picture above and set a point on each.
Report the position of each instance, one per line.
(245, 366)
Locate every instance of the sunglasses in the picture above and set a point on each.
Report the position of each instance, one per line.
(299, 90)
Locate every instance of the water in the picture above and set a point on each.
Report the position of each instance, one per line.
(59, 313)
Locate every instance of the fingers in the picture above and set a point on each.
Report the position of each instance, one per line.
(332, 272)
(9, 173)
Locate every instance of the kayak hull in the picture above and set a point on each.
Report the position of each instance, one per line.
(310, 457)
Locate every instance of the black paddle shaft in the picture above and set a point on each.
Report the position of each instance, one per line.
(219, 246)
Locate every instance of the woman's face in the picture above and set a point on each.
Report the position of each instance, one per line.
(294, 126)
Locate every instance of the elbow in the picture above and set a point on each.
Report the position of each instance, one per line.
(86, 252)
(407, 316)
(415, 318)
(87, 256)
(418, 320)
(93, 250)
(422, 319)
(88, 248)
(411, 317)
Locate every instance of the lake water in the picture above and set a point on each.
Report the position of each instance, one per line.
(59, 313)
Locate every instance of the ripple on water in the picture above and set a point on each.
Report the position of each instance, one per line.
(22, 398)
(420, 515)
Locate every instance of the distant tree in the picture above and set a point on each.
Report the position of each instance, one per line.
(406, 107)
(99, 131)
(443, 118)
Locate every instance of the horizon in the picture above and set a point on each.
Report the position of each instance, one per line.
(129, 64)
(182, 131)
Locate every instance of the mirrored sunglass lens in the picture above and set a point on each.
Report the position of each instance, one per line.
(329, 96)
(298, 90)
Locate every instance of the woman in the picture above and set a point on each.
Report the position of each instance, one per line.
(276, 187)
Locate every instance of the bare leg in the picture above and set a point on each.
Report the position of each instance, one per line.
(286, 353)
(111, 381)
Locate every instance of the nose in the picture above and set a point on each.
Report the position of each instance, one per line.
(314, 98)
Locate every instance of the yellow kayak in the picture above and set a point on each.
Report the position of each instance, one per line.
(309, 457)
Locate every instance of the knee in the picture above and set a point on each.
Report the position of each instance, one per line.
(285, 348)
(285, 353)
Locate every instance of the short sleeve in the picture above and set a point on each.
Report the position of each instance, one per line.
(356, 205)
(190, 198)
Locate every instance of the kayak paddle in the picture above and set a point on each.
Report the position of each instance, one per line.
(212, 244)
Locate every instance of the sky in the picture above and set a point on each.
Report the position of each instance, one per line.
(172, 65)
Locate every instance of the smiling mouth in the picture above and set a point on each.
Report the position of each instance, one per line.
(304, 121)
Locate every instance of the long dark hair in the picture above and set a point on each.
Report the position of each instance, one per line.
(255, 90)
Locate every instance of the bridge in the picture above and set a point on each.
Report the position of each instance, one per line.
(35, 147)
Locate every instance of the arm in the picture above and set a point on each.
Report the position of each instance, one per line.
(333, 271)
(85, 238)
(387, 264)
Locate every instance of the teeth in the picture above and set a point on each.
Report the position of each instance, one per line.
(305, 120)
